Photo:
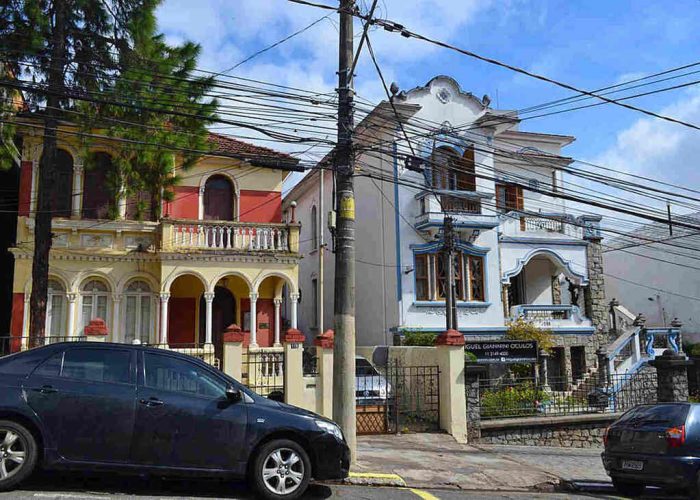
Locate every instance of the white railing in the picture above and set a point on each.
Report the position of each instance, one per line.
(640, 344)
(551, 225)
(547, 316)
(542, 224)
(214, 235)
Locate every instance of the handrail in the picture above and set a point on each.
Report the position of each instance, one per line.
(621, 341)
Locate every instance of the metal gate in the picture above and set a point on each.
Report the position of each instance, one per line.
(396, 398)
(263, 372)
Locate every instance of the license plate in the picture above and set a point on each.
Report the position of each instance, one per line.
(632, 465)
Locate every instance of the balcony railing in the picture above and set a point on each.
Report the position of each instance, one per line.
(541, 225)
(215, 235)
(458, 204)
(550, 225)
(548, 316)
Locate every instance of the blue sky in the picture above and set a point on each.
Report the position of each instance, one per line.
(589, 44)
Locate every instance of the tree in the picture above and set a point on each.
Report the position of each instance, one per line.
(160, 119)
(68, 49)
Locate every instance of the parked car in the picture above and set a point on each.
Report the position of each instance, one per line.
(655, 445)
(371, 387)
(127, 408)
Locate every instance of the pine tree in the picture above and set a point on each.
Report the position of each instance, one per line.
(69, 49)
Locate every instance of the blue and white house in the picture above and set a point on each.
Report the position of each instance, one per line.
(442, 151)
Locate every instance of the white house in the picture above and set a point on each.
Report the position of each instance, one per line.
(519, 252)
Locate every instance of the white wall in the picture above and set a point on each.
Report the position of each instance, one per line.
(538, 281)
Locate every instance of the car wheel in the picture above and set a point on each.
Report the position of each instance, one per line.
(281, 469)
(627, 488)
(18, 454)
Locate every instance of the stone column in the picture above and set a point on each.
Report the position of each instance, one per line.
(96, 330)
(71, 298)
(450, 348)
(672, 377)
(121, 203)
(603, 367)
(544, 375)
(233, 351)
(278, 320)
(208, 300)
(594, 293)
(164, 297)
(253, 319)
(294, 298)
(324, 352)
(472, 380)
(77, 195)
(117, 335)
(293, 367)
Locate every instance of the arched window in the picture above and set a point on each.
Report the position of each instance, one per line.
(218, 198)
(62, 188)
(56, 310)
(138, 312)
(314, 228)
(94, 296)
(96, 195)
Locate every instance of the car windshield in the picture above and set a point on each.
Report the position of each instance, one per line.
(671, 415)
(363, 368)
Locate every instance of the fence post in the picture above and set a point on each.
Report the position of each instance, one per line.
(293, 367)
(233, 351)
(96, 330)
(472, 380)
(543, 371)
(324, 353)
(453, 418)
(672, 377)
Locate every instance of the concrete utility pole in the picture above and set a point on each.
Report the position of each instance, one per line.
(450, 295)
(321, 251)
(344, 319)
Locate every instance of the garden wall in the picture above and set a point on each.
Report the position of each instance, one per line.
(575, 431)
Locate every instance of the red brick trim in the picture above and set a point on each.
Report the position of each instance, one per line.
(294, 336)
(96, 327)
(325, 340)
(233, 333)
(450, 337)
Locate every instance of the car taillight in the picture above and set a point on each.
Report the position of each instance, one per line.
(605, 436)
(675, 436)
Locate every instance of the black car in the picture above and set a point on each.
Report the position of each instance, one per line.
(125, 408)
(655, 445)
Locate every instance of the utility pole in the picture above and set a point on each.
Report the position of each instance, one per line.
(344, 314)
(450, 295)
(321, 250)
(670, 221)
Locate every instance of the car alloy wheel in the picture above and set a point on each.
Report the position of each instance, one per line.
(283, 471)
(13, 451)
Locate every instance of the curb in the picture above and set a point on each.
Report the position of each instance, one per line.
(374, 479)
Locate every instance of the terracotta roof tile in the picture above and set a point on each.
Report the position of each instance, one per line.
(228, 145)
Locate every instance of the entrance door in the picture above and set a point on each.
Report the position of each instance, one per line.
(223, 314)
(183, 418)
(578, 362)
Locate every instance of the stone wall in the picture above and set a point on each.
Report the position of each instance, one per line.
(584, 431)
(594, 294)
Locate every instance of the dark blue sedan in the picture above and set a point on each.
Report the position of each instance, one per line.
(136, 409)
(655, 445)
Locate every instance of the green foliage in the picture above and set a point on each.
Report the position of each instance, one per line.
(522, 400)
(522, 370)
(419, 339)
(470, 357)
(692, 349)
(521, 329)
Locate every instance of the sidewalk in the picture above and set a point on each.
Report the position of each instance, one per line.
(438, 461)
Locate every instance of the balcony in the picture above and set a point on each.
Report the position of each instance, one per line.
(117, 237)
(555, 317)
(547, 226)
(465, 207)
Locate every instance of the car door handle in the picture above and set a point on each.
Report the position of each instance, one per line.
(47, 389)
(151, 402)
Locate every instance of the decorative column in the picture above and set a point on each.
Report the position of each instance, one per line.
(450, 350)
(233, 351)
(77, 187)
(117, 335)
(96, 330)
(294, 299)
(672, 377)
(71, 298)
(121, 203)
(278, 320)
(25, 322)
(253, 319)
(544, 375)
(293, 368)
(164, 297)
(324, 353)
(200, 210)
(209, 300)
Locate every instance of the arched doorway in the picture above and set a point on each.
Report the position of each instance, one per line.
(218, 198)
(223, 314)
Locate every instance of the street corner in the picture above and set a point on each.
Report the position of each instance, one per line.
(375, 479)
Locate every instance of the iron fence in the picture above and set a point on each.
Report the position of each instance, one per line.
(10, 344)
(528, 397)
(263, 372)
(205, 352)
(396, 398)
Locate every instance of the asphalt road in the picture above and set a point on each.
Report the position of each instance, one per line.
(79, 487)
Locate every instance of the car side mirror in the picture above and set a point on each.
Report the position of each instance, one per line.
(233, 394)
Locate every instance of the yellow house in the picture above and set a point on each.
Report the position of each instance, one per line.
(220, 254)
